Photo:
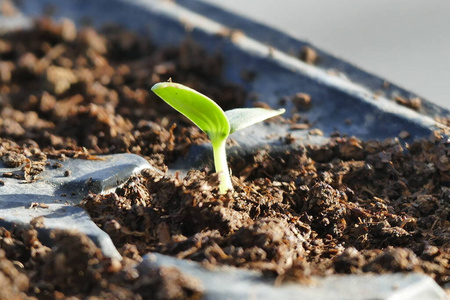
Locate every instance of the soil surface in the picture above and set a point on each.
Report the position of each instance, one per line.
(349, 206)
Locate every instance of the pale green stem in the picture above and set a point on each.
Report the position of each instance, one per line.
(221, 165)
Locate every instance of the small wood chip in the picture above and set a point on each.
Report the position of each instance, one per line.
(299, 126)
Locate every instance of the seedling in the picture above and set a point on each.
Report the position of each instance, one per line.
(210, 118)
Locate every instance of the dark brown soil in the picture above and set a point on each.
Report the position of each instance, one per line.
(346, 207)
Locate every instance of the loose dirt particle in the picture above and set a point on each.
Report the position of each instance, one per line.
(13, 159)
(302, 101)
(316, 131)
(60, 79)
(414, 103)
(309, 55)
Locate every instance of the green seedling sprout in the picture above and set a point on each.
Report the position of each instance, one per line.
(210, 118)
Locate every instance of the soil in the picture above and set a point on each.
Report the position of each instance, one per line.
(349, 206)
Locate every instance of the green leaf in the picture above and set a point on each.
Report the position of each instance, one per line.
(240, 118)
(198, 108)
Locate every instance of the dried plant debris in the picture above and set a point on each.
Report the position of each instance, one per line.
(345, 207)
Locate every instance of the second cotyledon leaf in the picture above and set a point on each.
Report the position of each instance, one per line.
(240, 118)
(210, 118)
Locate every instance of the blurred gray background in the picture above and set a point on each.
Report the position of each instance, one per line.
(405, 42)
